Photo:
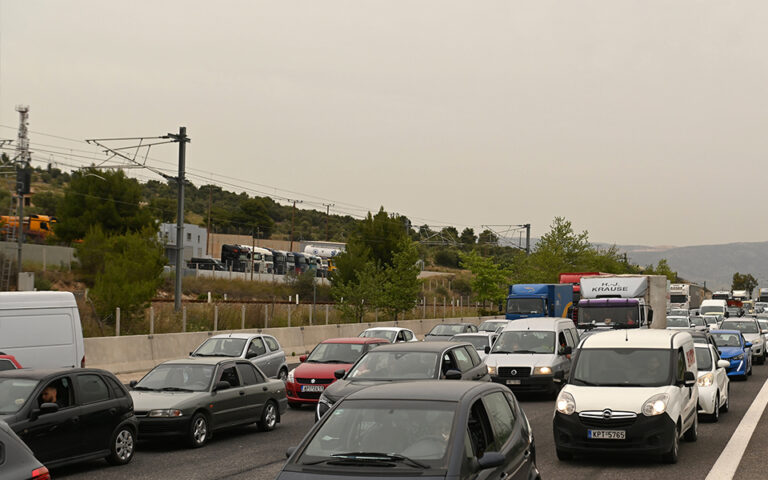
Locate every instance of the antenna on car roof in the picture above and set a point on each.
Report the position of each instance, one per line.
(626, 335)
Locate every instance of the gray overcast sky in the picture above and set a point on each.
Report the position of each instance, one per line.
(643, 122)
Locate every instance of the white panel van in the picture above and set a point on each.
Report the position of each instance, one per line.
(41, 329)
(714, 307)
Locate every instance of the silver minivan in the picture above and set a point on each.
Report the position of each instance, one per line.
(533, 354)
(264, 351)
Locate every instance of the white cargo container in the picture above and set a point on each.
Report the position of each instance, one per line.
(685, 295)
(624, 300)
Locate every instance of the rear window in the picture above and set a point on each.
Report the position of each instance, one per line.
(6, 364)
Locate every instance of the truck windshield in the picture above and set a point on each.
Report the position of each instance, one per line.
(618, 316)
(622, 367)
(525, 305)
(678, 299)
(712, 309)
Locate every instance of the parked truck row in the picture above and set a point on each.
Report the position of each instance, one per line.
(247, 258)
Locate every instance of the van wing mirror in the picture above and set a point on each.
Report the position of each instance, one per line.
(566, 350)
(689, 379)
(723, 364)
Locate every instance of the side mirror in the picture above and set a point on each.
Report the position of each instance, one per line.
(723, 364)
(191, 354)
(222, 385)
(339, 374)
(290, 451)
(763, 331)
(748, 345)
(453, 375)
(303, 358)
(487, 349)
(689, 379)
(132, 383)
(566, 350)
(49, 408)
(251, 355)
(491, 460)
(727, 314)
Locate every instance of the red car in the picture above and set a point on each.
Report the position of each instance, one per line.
(308, 381)
(8, 362)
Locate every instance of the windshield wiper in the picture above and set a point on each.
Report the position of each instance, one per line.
(525, 351)
(379, 457)
(175, 389)
(589, 384)
(500, 351)
(139, 387)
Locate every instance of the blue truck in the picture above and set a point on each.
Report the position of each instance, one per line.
(539, 300)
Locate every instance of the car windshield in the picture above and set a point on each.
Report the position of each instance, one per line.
(525, 305)
(678, 322)
(622, 367)
(709, 319)
(698, 321)
(447, 329)
(748, 326)
(490, 326)
(388, 335)
(726, 339)
(221, 347)
(711, 309)
(14, 393)
(382, 365)
(703, 359)
(525, 341)
(336, 353)
(177, 376)
(377, 431)
(477, 341)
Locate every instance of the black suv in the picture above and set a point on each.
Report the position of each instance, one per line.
(69, 415)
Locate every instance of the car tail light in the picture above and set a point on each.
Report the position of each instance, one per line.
(41, 474)
(82, 362)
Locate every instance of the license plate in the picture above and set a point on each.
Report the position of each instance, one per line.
(607, 434)
(513, 382)
(312, 388)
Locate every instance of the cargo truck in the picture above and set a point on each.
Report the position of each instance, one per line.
(623, 301)
(573, 278)
(762, 295)
(685, 295)
(538, 300)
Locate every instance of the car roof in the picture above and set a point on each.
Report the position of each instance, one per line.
(634, 338)
(481, 333)
(201, 360)
(388, 329)
(41, 373)
(546, 323)
(357, 340)
(238, 335)
(463, 324)
(429, 390)
(436, 347)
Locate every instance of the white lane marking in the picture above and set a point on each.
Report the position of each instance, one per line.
(728, 462)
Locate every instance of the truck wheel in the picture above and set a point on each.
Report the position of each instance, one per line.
(673, 454)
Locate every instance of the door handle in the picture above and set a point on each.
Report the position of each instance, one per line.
(75, 420)
(112, 411)
(527, 454)
(264, 388)
(242, 392)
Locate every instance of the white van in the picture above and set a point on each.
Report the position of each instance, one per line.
(629, 390)
(533, 354)
(714, 307)
(41, 329)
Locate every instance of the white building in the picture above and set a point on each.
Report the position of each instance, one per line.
(195, 241)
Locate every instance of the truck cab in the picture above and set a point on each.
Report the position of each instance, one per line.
(538, 300)
(614, 313)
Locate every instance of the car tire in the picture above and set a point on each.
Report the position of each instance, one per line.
(282, 375)
(563, 456)
(749, 372)
(674, 452)
(269, 417)
(692, 434)
(761, 359)
(727, 403)
(122, 446)
(294, 405)
(716, 412)
(199, 431)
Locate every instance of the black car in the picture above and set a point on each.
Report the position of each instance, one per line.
(406, 362)
(444, 331)
(69, 415)
(16, 459)
(423, 429)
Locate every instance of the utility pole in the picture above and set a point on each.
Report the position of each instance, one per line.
(327, 215)
(208, 237)
(22, 174)
(293, 215)
(182, 138)
(527, 238)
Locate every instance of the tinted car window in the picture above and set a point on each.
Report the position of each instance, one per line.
(230, 375)
(92, 389)
(463, 359)
(117, 390)
(272, 343)
(256, 348)
(501, 417)
(247, 373)
(6, 364)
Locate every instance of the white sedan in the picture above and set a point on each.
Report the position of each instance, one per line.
(714, 386)
(391, 334)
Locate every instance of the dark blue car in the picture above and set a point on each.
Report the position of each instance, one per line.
(736, 350)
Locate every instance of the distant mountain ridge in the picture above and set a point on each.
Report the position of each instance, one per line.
(713, 264)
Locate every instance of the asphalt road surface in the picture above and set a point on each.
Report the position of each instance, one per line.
(248, 453)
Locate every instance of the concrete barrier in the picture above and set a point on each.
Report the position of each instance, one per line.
(134, 353)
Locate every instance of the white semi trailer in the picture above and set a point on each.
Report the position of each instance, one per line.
(685, 295)
(623, 301)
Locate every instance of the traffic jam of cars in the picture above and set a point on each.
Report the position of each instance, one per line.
(387, 404)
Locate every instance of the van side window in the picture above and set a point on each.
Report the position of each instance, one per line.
(569, 338)
(562, 343)
(680, 365)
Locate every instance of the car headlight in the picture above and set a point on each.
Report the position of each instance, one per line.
(656, 405)
(165, 413)
(738, 357)
(542, 371)
(290, 376)
(491, 370)
(706, 380)
(565, 403)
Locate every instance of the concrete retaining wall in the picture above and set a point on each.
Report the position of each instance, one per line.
(142, 352)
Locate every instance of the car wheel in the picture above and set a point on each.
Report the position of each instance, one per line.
(716, 412)
(123, 446)
(761, 359)
(672, 455)
(749, 372)
(268, 417)
(727, 403)
(563, 456)
(198, 431)
(294, 405)
(282, 375)
(692, 433)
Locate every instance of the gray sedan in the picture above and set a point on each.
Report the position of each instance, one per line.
(263, 351)
(196, 396)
